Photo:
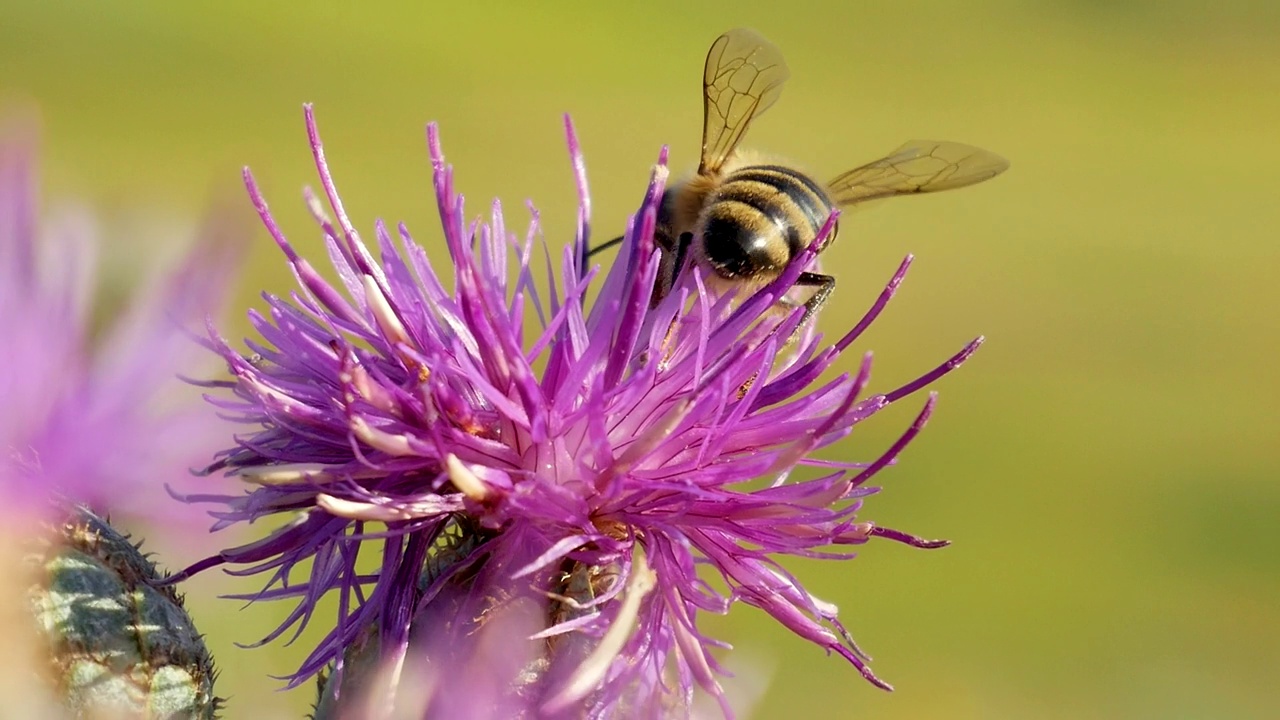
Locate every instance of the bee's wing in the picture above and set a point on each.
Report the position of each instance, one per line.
(919, 166)
(743, 77)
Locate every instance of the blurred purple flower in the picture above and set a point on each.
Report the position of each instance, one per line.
(99, 419)
(506, 445)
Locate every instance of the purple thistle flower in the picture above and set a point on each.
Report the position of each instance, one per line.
(97, 418)
(505, 445)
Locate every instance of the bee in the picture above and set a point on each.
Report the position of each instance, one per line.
(745, 219)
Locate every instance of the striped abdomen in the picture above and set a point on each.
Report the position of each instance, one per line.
(758, 218)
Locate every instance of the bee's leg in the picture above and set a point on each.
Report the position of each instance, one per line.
(682, 253)
(582, 269)
(670, 263)
(826, 284)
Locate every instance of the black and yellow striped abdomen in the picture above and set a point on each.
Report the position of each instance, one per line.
(758, 218)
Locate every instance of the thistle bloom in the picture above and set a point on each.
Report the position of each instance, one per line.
(617, 467)
(98, 419)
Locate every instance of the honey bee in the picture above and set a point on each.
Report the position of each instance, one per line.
(745, 219)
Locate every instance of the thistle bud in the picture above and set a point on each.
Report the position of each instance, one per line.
(120, 644)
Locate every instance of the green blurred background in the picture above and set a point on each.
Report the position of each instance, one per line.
(1106, 465)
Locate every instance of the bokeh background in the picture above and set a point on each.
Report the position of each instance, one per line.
(1106, 465)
